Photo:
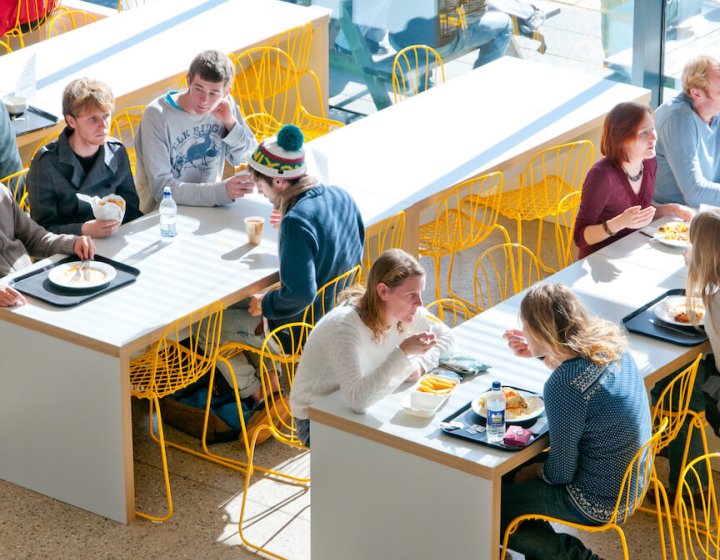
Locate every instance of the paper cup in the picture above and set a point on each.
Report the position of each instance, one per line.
(254, 228)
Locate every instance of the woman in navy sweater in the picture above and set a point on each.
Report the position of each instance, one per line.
(598, 417)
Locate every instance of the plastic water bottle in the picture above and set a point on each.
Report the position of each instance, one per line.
(495, 403)
(168, 215)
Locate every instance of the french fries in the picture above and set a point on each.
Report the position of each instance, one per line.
(436, 384)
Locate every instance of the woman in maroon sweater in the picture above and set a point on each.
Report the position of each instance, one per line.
(618, 190)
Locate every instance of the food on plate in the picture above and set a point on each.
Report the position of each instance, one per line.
(684, 317)
(436, 384)
(87, 277)
(516, 403)
(675, 231)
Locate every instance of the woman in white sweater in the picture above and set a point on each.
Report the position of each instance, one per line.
(374, 341)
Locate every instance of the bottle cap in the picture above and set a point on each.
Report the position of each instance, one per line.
(167, 191)
(496, 385)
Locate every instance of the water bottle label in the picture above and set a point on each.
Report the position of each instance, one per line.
(495, 418)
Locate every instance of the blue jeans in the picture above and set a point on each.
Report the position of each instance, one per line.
(537, 540)
(302, 427)
(490, 35)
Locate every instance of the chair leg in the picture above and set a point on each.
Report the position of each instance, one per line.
(166, 473)
(662, 510)
(437, 258)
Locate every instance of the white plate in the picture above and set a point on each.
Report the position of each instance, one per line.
(536, 406)
(668, 308)
(64, 275)
(664, 237)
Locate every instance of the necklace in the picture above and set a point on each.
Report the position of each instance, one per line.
(633, 178)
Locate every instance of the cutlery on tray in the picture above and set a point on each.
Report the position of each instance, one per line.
(670, 327)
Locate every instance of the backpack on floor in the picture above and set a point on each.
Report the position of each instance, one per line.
(185, 410)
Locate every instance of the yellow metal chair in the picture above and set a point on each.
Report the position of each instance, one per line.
(697, 511)
(169, 366)
(450, 311)
(547, 178)
(43, 10)
(5, 47)
(465, 216)
(673, 404)
(267, 91)
(289, 340)
(415, 69)
(385, 234)
(124, 127)
(565, 215)
(327, 296)
(503, 271)
(17, 184)
(67, 20)
(639, 474)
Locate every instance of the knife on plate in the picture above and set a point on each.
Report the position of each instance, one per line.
(668, 327)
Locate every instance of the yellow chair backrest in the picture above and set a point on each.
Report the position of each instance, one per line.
(17, 184)
(385, 234)
(415, 69)
(552, 174)
(698, 510)
(67, 20)
(187, 351)
(565, 215)
(279, 356)
(326, 297)
(450, 311)
(124, 127)
(503, 271)
(41, 11)
(673, 404)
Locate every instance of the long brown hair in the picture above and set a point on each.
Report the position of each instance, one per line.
(391, 268)
(554, 316)
(621, 126)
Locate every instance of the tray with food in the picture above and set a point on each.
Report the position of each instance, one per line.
(674, 234)
(525, 410)
(69, 282)
(668, 318)
(428, 395)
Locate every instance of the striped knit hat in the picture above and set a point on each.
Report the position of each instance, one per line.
(282, 155)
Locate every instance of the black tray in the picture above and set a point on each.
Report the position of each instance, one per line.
(639, 322)
(33, 119)
(37, 284)
(469, 419)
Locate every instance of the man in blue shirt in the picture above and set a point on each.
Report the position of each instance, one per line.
(688, 130)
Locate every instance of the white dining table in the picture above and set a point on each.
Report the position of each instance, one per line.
(389, 485)
(144, 52)
(64, 382)
(493, 118)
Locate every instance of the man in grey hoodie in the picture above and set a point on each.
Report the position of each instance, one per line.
(185, 137)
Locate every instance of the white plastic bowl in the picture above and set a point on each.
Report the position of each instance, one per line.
(16, 105)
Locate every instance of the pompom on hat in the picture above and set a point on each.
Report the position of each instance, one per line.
(281, 156)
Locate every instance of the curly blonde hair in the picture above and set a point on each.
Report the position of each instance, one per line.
(696, 70)
(554, 316)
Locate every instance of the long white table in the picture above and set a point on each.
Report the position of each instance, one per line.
(493, 118)
(64, 382)
(388, 485)
(144, 52)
